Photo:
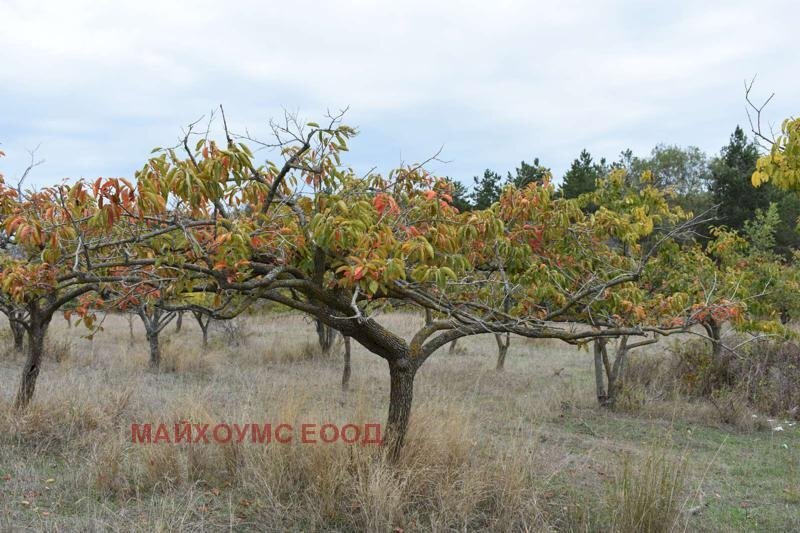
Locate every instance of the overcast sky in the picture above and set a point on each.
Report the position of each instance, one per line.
(99, 84)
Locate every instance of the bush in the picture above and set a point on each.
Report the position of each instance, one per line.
(234, 331)
(762, 375)
(773, 375)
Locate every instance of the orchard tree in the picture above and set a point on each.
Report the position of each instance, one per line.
(36, 281)
(154, 319)
(144, 299)
(638, 212)
(311, 234)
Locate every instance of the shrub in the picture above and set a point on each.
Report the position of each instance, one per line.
(761, 376)
(234, 331)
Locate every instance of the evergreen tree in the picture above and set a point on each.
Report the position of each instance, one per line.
(730, 186)
(487, 189)
(582, 175)
(739, 202)
(526, 174)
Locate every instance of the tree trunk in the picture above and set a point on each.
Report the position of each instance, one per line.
(203, 327)
(326, 335)
(607, 372)
(401, 394)
(131, 336)
(599, 381)
(453, 345)
(18, 332)
(179, 322)
(346, 369)
(30, 371)
(155, 349)
(714, 331)
(502, 350)
(616, 371)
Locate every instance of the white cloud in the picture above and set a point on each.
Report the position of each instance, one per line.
(99, 83)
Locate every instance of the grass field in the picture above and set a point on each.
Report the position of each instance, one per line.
(525, 449)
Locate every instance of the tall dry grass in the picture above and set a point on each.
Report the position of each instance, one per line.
(481, 451)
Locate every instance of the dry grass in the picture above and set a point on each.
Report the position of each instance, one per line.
(646, 495)
(486, 450)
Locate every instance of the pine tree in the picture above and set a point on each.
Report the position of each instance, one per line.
(730, 186)
(526, 174)
(582, 175)
(487, 189)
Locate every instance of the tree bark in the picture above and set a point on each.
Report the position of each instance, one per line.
(453, 345)
(610, 373)
(326, 335)
(401, 395)
(502, 350)
(714, 330)
(616, 371)
(155, 349)
(179, 322)
(18, 332)
(154, 321)
(203, 327)
(599, 380)
(346, 369)
(27, 386)
(131, 336)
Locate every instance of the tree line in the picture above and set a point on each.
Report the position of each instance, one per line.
(701, 182)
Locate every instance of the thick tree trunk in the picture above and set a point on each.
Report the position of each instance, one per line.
(155, 349)
(346, 369)
(401, 395)
(30, 371)
(502, 349)
(18, 332)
